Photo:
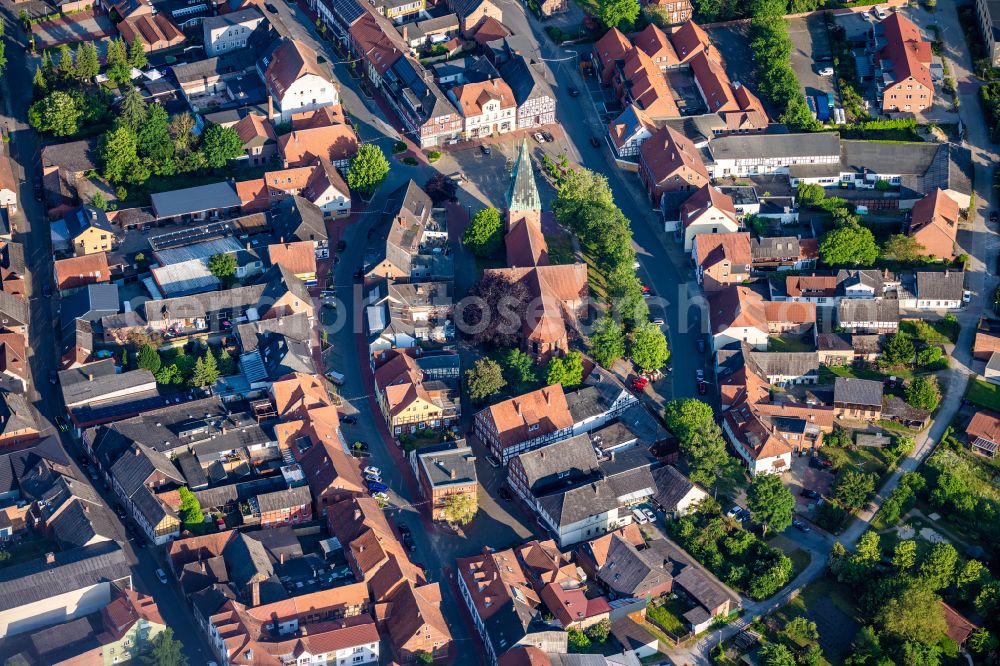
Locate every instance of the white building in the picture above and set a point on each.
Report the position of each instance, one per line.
(228, 32)
(762, 154)
(295, 81)
(487, 107)
(707, 211)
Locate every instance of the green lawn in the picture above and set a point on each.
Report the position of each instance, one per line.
(596, 278)
(560, 249)
(669, 617)
(984, 394)
(25, 552)
(939, 332)
(865, 459)
(788, 343)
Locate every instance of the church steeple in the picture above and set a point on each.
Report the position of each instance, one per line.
(522, 195)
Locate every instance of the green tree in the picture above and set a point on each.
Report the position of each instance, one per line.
(578, 641)
(898, 350)
(119, 152)
(48, 67)
(923, 393)
(771, 504)
(88, 64)
(190, 508)
(937, 569)
(155, 145)
(98, 201)
(915, 614)
(484, 235)
(519, 370)
(459, 508)
(798, 116)
(599, 632)
(168, 374)
(38, 83)
(852, 488)
(484, 379)
(226, 363)
(618, 13)
(968, 578)
(219, 145)
(567, 370)
(368, 169)
(206, 371)
(776, 654)
(425, 657)
(850, 245)
(133, 112)
(180, 127)
(186, 365)
(904, 556)
(137, 54)
(148, 358)
(65, 67)
(929, 357)
(57, 113)
(693, 424)
(118, 69)
(222, 266)
(607, 342)
(981, 642)
(165, 651)
(902, 248)
(800, 631)
(648, 347)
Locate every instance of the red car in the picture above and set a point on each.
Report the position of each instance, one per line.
(639, 384)
(645, 289)
(702, 388)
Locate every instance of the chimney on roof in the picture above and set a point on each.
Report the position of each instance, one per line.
(281, 558)
(270, 107)
(50, 558)
(136, 451)
(453, 474)
(90, 376)
(357, 514)
(255, 594)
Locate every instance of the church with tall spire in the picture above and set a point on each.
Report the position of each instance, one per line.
(560, 293)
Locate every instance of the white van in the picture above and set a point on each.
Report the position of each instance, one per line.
(639, 517)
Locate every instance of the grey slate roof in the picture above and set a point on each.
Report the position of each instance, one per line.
(295, 326)
(90, 303)
(284, 499)
(136, 466)
(833, 342)
(298, 219)
(775, 146)
(522, 194)
(101, 385)
(16, 414)
(439, 466)
(15, 464)
(246, 559)
(671, 487)
(940, 285)
(858, 310)
(72, 570)
(197, 199)
(573, 458)
(13, 310)
(249, 14)
(632, 572)
(783, 248)
(525, 81)
(283, 355)
(795, 364)
(80, 522)
(852, 391)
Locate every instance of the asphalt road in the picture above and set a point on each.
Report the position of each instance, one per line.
(31, 229)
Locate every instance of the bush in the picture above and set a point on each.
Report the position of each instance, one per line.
(398, 147)
(433, 156)
(410, 161)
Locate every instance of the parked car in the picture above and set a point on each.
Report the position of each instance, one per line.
(39, 189)
(702, 388)
(810, 493)
(380, 497)
(825, 71)
(83, 460)
(966, 296)
(735, 511)
(53, 377)
(639, 384)
(492, 461)
(639, 517)
(573, 92)
(800, 526)
(701, 346)
(656, 320)
(881, 13)
(349, 419)
(371, 469)
(649, 514)
(994, 216)
(538, 137)
(162, 575)
(485, 150)
(408, 543)
(377, 487)
(47, 291)
(372, 478)
(548, 136)
(700, 374)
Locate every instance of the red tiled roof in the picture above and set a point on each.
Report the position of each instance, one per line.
(298, 257)
(688, 40)
(713, 248)
(985, 424)
(667, 151)
(332, 142)
(909, 52)
(472, 96)
(545, 408)
(934, 224)
(82, 270)
(291, 61)
(708, 197)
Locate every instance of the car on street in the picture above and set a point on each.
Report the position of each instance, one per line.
(374, 471)
(372, 477)
(53, 377)
(994, 215)
(538, 137)
(493, 461)
(548, 136)
(92, 473)
(341, 245)
(656, 320)
(826, 70)
(810, 493)
(700, 374)
(47, 291)
(701, 346)
(62, 424)
(966, 296)
(83, 460)
(881, 13)
(377, 487)
(649, 514)
(485, 150)
(573, 92)
(408, 543)
(39, 189)
(403, 530)
(162, 576)
(504, 494)
(800, 526)
(702, 388)
(595, 142)
(349, 419)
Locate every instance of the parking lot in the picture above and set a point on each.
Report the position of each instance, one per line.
(811, 52)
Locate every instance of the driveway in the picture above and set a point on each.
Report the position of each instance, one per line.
(810, 49)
